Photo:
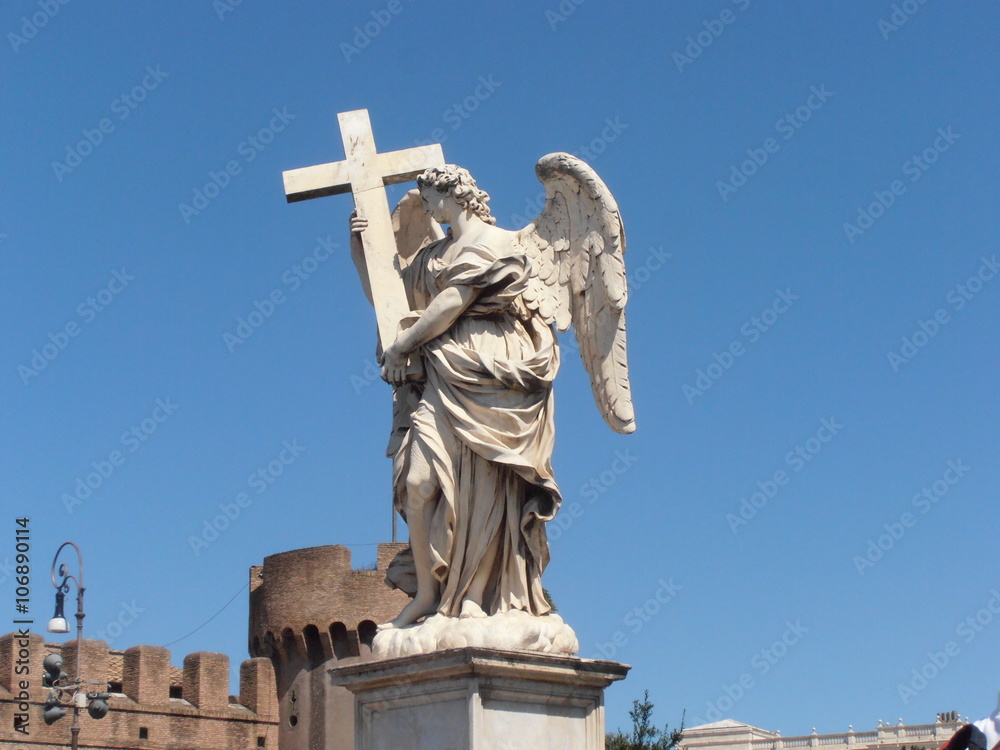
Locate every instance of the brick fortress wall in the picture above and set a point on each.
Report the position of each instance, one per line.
(310, 611)
(153, 704)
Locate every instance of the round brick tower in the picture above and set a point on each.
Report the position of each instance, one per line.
(309, 611)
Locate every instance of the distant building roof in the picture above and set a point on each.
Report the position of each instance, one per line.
(729, 734)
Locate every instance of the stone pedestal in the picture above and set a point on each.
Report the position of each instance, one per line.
(479, 699)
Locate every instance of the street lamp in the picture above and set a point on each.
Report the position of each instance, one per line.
(58, 622)
(98, 707)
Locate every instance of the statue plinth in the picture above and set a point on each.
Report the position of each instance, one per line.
(479, 699)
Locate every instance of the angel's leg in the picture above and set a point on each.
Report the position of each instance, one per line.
(472, 606)
(422, 492)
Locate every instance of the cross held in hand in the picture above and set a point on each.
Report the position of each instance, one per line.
(365, 173)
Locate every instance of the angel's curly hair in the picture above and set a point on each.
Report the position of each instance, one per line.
(460, 184)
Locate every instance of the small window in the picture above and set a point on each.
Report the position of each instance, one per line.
(115, 687)
(260, 742)
(143, 733)
(176, 691)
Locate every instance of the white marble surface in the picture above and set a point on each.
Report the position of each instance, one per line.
(511, 631)
(479, 699)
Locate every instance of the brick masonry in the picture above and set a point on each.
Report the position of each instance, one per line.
(143, 714)
(309, 611)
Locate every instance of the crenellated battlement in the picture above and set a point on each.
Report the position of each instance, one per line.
(309, 611)
(308, 606)
(151, 699)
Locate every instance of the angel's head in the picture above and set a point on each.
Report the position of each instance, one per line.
(451, 184)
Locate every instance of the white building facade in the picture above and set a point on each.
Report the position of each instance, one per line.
(733, 735)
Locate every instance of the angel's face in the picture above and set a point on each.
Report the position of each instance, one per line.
(440, 206)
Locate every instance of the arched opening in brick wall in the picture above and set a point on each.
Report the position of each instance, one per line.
(366, 635)
(338, 637)
(270, 648)
(314, 647)
(290, 645)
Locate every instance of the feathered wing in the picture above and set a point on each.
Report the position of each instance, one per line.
(577, 245)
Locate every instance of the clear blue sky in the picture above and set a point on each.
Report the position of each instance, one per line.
(739, 139)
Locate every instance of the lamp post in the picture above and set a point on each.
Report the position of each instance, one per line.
(60, 579)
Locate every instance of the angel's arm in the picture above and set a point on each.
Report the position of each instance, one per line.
(439, 316)
(358, 255)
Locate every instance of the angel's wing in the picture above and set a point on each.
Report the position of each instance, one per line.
(577, 244)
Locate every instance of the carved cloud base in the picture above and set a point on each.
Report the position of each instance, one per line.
(509, 631)
(479, 699)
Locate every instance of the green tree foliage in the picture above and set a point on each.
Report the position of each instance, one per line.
(644, 735)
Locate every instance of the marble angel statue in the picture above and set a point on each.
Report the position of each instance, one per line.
(474, 434)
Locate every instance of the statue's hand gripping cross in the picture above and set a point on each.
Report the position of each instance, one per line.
(365, 173)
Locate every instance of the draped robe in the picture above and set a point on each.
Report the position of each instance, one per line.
(484, 421)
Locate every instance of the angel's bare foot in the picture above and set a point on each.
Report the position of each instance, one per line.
(471, 609)
(412, 612)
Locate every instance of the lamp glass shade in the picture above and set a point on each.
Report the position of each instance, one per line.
(58, 622)
(98, 708)
(58, 625)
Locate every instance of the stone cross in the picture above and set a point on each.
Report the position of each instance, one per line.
(365, 173)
